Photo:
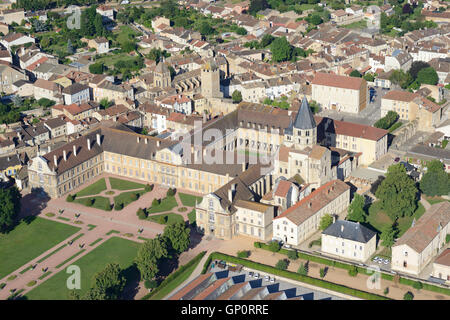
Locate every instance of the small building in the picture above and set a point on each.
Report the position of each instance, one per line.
(101, 44)
(56, 126)
(76, 93)
(441, 267)
(349, 240)
(9, 166)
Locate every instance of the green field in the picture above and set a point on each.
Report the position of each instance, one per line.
(192, 216)
(29, 240)
(171, 218)
(92, 189)
(361, 24)
(166, 204)
(116, 250)
(120, 184)
(100, 202)
(189, 200)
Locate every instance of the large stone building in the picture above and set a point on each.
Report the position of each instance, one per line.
(341, 93)
(301, 220)
(420, 243)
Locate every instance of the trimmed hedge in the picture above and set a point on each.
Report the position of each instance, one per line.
(174, 275)
(294, 276)
(361, 270)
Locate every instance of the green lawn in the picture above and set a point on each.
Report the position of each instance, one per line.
(361, 24)
(171, 218)
(120, 184)
(189, 200)
(192, 216)
(116, 250)
(101, 203)
(125, 197)
(434, 200)
(166, 204)
(92, 189)
(377, 218)
(28, 241)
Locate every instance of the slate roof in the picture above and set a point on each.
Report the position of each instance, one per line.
(349, 230)
(304, 119)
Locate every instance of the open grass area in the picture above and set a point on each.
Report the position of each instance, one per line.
(377, 218)
(192, 216)
(29, 240)
(116, 250)
(100, 202)
(434, 200)
(126, 197)
(120, 184)
(166, 204)
(171, 218)
(93, 189)
(188, 199)
(361, 24)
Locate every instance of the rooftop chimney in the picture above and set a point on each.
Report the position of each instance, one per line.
(342, 228)
(158, 143)
(75, 150)
(98, 139)
(146, 140)
(89, 144)
(230, 195)
(244, 166)
(137, 139)
(55, 160)
(65, 155)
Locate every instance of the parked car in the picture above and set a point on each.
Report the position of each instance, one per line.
(272, 279)
(287, 246)
(266, 278)
(256, 275)
(250, 274)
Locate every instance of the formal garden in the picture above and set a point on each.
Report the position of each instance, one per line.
(117, 195)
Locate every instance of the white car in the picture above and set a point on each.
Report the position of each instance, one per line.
(386, 261)
(272, 279)
(266, 278)
(256, 275)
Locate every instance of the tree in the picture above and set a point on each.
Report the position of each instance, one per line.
(435, 182)
(178, 236)
(416, 66)
(141, 214)
(274, 246)
(282, 264)
(236, 96)
(417, 285)
(266, 40)
(397, 193)
(205, 29)
(302, 269)
(149, 255)
(241, 31)
(108, 284)
(10, 207)
(408, 296)
(96, 68)
(388, 234)
(427, 76)
(292, 254)
(170, 192)
(355, 210)
(70, 48)
(355, 73)
(105, 103)
(315, 19)
(353, 271)
(243, 254)
(257, 5)
(281, 49)
(369, 77)
(322, 272)
(326, 221)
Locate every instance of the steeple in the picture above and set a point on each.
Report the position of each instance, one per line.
(304, 119)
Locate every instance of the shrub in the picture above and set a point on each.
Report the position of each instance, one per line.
(243, 254)
(322, 272)
(50, 214)
(155, 202)
(10, 278)
(292, 255)
(141, 214)
(418, 285)
(170, 192)
(162, 219)
(257, 244)
(89, 202)
(274, 246)
(148, 188)
(386, 290)
(353, 271)
(150, 284)
(302, 269)
(70, 198)
(282, 264)
(447, 238)
(408, 296)
(118, 206)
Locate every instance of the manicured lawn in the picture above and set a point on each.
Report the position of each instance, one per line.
(116, 250)
(434, 200)
(166, 204)
(377, 218)
(171, 218)
(120, 184)
(356, 25)
(27, 241)
(100, 202)
(125, 197)
(192, 216)
(92, 189)
(189, 200)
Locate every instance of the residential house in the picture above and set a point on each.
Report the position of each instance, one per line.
(56, 126)
(441, 267)
(399, 60)
(76, 93)
(48, 89)
(9, 74)
(16, 39)
(101, 44)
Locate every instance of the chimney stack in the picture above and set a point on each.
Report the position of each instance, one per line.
(230, 195)
(158, 143)
(342, 228)
(89, 144)
(137, 139)
(75, 150)
(244, 166)
(65, 155)
(146, 140)
(55, 160)
(98, 139)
